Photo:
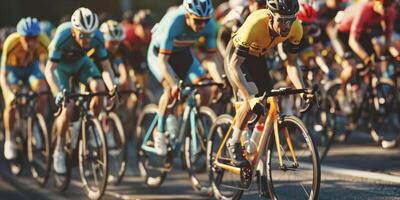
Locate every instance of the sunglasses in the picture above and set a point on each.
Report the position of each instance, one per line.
(84, 35)
(284, 19)
(200, 20)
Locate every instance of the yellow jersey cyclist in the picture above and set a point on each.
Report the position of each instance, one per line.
(67, 58)
(170, 56)
(23, 53)
(245, 61)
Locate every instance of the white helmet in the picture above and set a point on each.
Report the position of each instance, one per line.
(112, 30)
(85, 20)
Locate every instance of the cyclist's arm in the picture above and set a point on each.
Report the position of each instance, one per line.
(294, 72)
(355, 33)
(49, 73)
(319, 59)
(216, 72)
(166, 70)
(5, 85)
(107, 74)
(237, 75)
(123, 73)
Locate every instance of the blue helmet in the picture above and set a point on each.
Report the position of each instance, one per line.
(199, 8)
(28, 27)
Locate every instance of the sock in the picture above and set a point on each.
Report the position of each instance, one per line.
(161, 123)
(60, 144)
(236, 135)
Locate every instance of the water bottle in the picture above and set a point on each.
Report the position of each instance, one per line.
(251, 143)
(172, 125)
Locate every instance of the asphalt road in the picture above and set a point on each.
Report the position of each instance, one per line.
(357, 169)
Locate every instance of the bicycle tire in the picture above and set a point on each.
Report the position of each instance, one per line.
(199, 184)
(91, 123)
(40, 177)
(385, 103)
(144, 120)
(316, 171)
(222, 122)
(121, 151)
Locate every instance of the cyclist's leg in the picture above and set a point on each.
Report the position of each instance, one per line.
(9, 117)
(38, 84)
(89, 74)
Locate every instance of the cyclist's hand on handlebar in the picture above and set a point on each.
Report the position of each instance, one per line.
(307, 97)
(113, 94)
(175, 92)
(59, 98)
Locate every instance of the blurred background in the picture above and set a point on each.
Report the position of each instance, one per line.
(12, 10)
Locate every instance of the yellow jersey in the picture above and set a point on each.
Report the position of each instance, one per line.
(14, 54)
(254, 35)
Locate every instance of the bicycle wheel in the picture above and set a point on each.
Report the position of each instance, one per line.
(93, 158)
(195, 150)
(225, 185)
(337, 121)
(293, 181)
(20, 136)
(152, 167)
(61, 181)
(117, 152)
(385, 118)
(38, 149)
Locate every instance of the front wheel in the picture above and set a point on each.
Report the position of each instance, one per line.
(195, 150)
(385, 120)
(93, 158)
(38, 149)
(293, 180)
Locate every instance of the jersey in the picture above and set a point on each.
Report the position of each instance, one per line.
(64, 48)
(254, 36)
(358, 17)
(172, 33)
(15, 56)
(134, 42)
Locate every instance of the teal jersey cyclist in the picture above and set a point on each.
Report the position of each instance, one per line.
(67, 58)
(170, 56)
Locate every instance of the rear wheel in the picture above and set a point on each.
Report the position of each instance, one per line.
(225, 184)
(38, 149)
(117, 151)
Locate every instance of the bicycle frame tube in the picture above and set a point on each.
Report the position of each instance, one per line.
(148, 134)
(193, 129)
(230, 168)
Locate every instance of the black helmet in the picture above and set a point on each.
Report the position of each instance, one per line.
(283, 7)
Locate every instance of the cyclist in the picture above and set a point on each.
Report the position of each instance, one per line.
(353, 33)
(245, 61)
(170, 58)
(23, 52)
(138, 36)
(311, 46)
(68, 59)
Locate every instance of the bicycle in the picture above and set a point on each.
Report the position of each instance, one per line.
(285, 154)
(85, 146)
(31, 137)
(188, 141)
(377, 106)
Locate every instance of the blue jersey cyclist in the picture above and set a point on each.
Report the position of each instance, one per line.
(67, 58)
(170, 57)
